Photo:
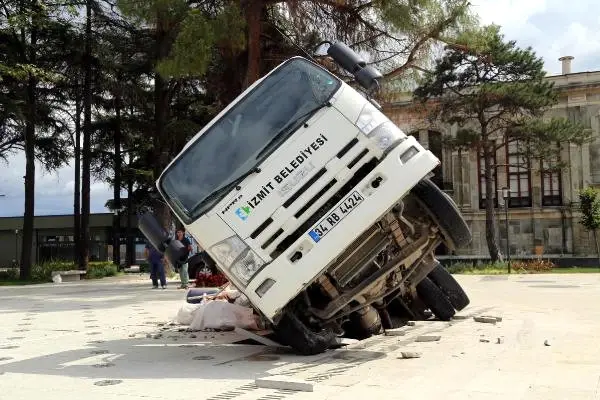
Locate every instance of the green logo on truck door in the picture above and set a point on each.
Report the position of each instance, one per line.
(243, 212)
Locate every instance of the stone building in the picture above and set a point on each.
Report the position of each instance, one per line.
(543, 210)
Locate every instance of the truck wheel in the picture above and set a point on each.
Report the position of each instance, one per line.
(435, 299)
(451, 288)
(442, 209)
(296, 334)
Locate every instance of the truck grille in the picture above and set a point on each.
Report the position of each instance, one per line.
(315, 198)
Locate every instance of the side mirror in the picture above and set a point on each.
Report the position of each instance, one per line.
(154, 232)
(366, 76)
(346, 57)
(176, 252)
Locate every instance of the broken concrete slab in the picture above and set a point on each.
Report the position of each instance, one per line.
(410, 354)
(428, 338)
(498, 319)
(280, 382)
(411, 323)
(460, 317)
(395, 332)
(486, 320)
(258, 338)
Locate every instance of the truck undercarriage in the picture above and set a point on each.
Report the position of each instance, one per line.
(389, 273)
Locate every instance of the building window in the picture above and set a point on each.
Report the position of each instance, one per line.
(551, 183)
(519, 176)
(482, 186)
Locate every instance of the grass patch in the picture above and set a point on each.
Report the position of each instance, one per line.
(517, 267)
(16, 282)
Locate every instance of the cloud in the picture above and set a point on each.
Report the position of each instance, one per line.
(54, 191)
(552, 28)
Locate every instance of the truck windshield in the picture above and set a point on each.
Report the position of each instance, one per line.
(233, 145)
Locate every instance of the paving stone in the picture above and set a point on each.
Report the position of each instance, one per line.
(280, 382)
(428, 338)
(410, 354)
(486, 320)
(395, 332)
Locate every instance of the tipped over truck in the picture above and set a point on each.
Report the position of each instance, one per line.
(316, 207)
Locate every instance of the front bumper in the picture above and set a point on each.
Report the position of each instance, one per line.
(290, 278)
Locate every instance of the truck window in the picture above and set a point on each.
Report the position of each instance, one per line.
(230, 146)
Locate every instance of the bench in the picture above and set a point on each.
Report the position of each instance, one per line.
(69, 276)
(132, 269)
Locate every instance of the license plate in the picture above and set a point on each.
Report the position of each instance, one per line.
(333, 218)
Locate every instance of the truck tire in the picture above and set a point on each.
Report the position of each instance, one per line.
(294, 333)
(444, 212)
(435, 299)
(451, 288)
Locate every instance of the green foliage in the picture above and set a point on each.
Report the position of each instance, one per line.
(43, 272)
(97, 270)
(9, 274)
(191, 51)
(589, 199)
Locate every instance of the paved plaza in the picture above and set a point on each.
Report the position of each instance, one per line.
(108, 340)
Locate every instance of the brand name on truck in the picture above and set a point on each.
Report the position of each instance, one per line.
(301, 157)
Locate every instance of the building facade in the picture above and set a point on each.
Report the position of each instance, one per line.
(53, 239)
(543, 205)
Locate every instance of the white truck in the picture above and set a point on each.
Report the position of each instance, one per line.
(316, 207)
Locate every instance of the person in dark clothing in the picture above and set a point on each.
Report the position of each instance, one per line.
(157, 267)
(183, 268)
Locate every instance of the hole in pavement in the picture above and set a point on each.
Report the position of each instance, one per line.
(262, 357)
(5, 358)
(104, 365)
(108, 382)
(99, 352)
(9, 347)
(96, 342)
(203, 358)
(253, 342)
(90, 320)
(93, 333)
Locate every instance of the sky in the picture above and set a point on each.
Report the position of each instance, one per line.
(552, 28)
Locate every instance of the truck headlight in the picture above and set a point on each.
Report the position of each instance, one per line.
(234, 255)
(377, 127)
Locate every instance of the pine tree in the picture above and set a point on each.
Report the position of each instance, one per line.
(497, 94)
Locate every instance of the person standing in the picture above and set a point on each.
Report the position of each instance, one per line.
(183, 268)
(157, 266)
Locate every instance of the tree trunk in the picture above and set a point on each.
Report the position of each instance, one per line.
(597, 246)
(30, 112)
(117, 184)
(27, 237)
(254, 10)
(490, 228)
(87, 133)
(77, 190)
(130, 251)
(161, 112)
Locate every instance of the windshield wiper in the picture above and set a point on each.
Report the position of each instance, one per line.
(225, 188)
(284, 132)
